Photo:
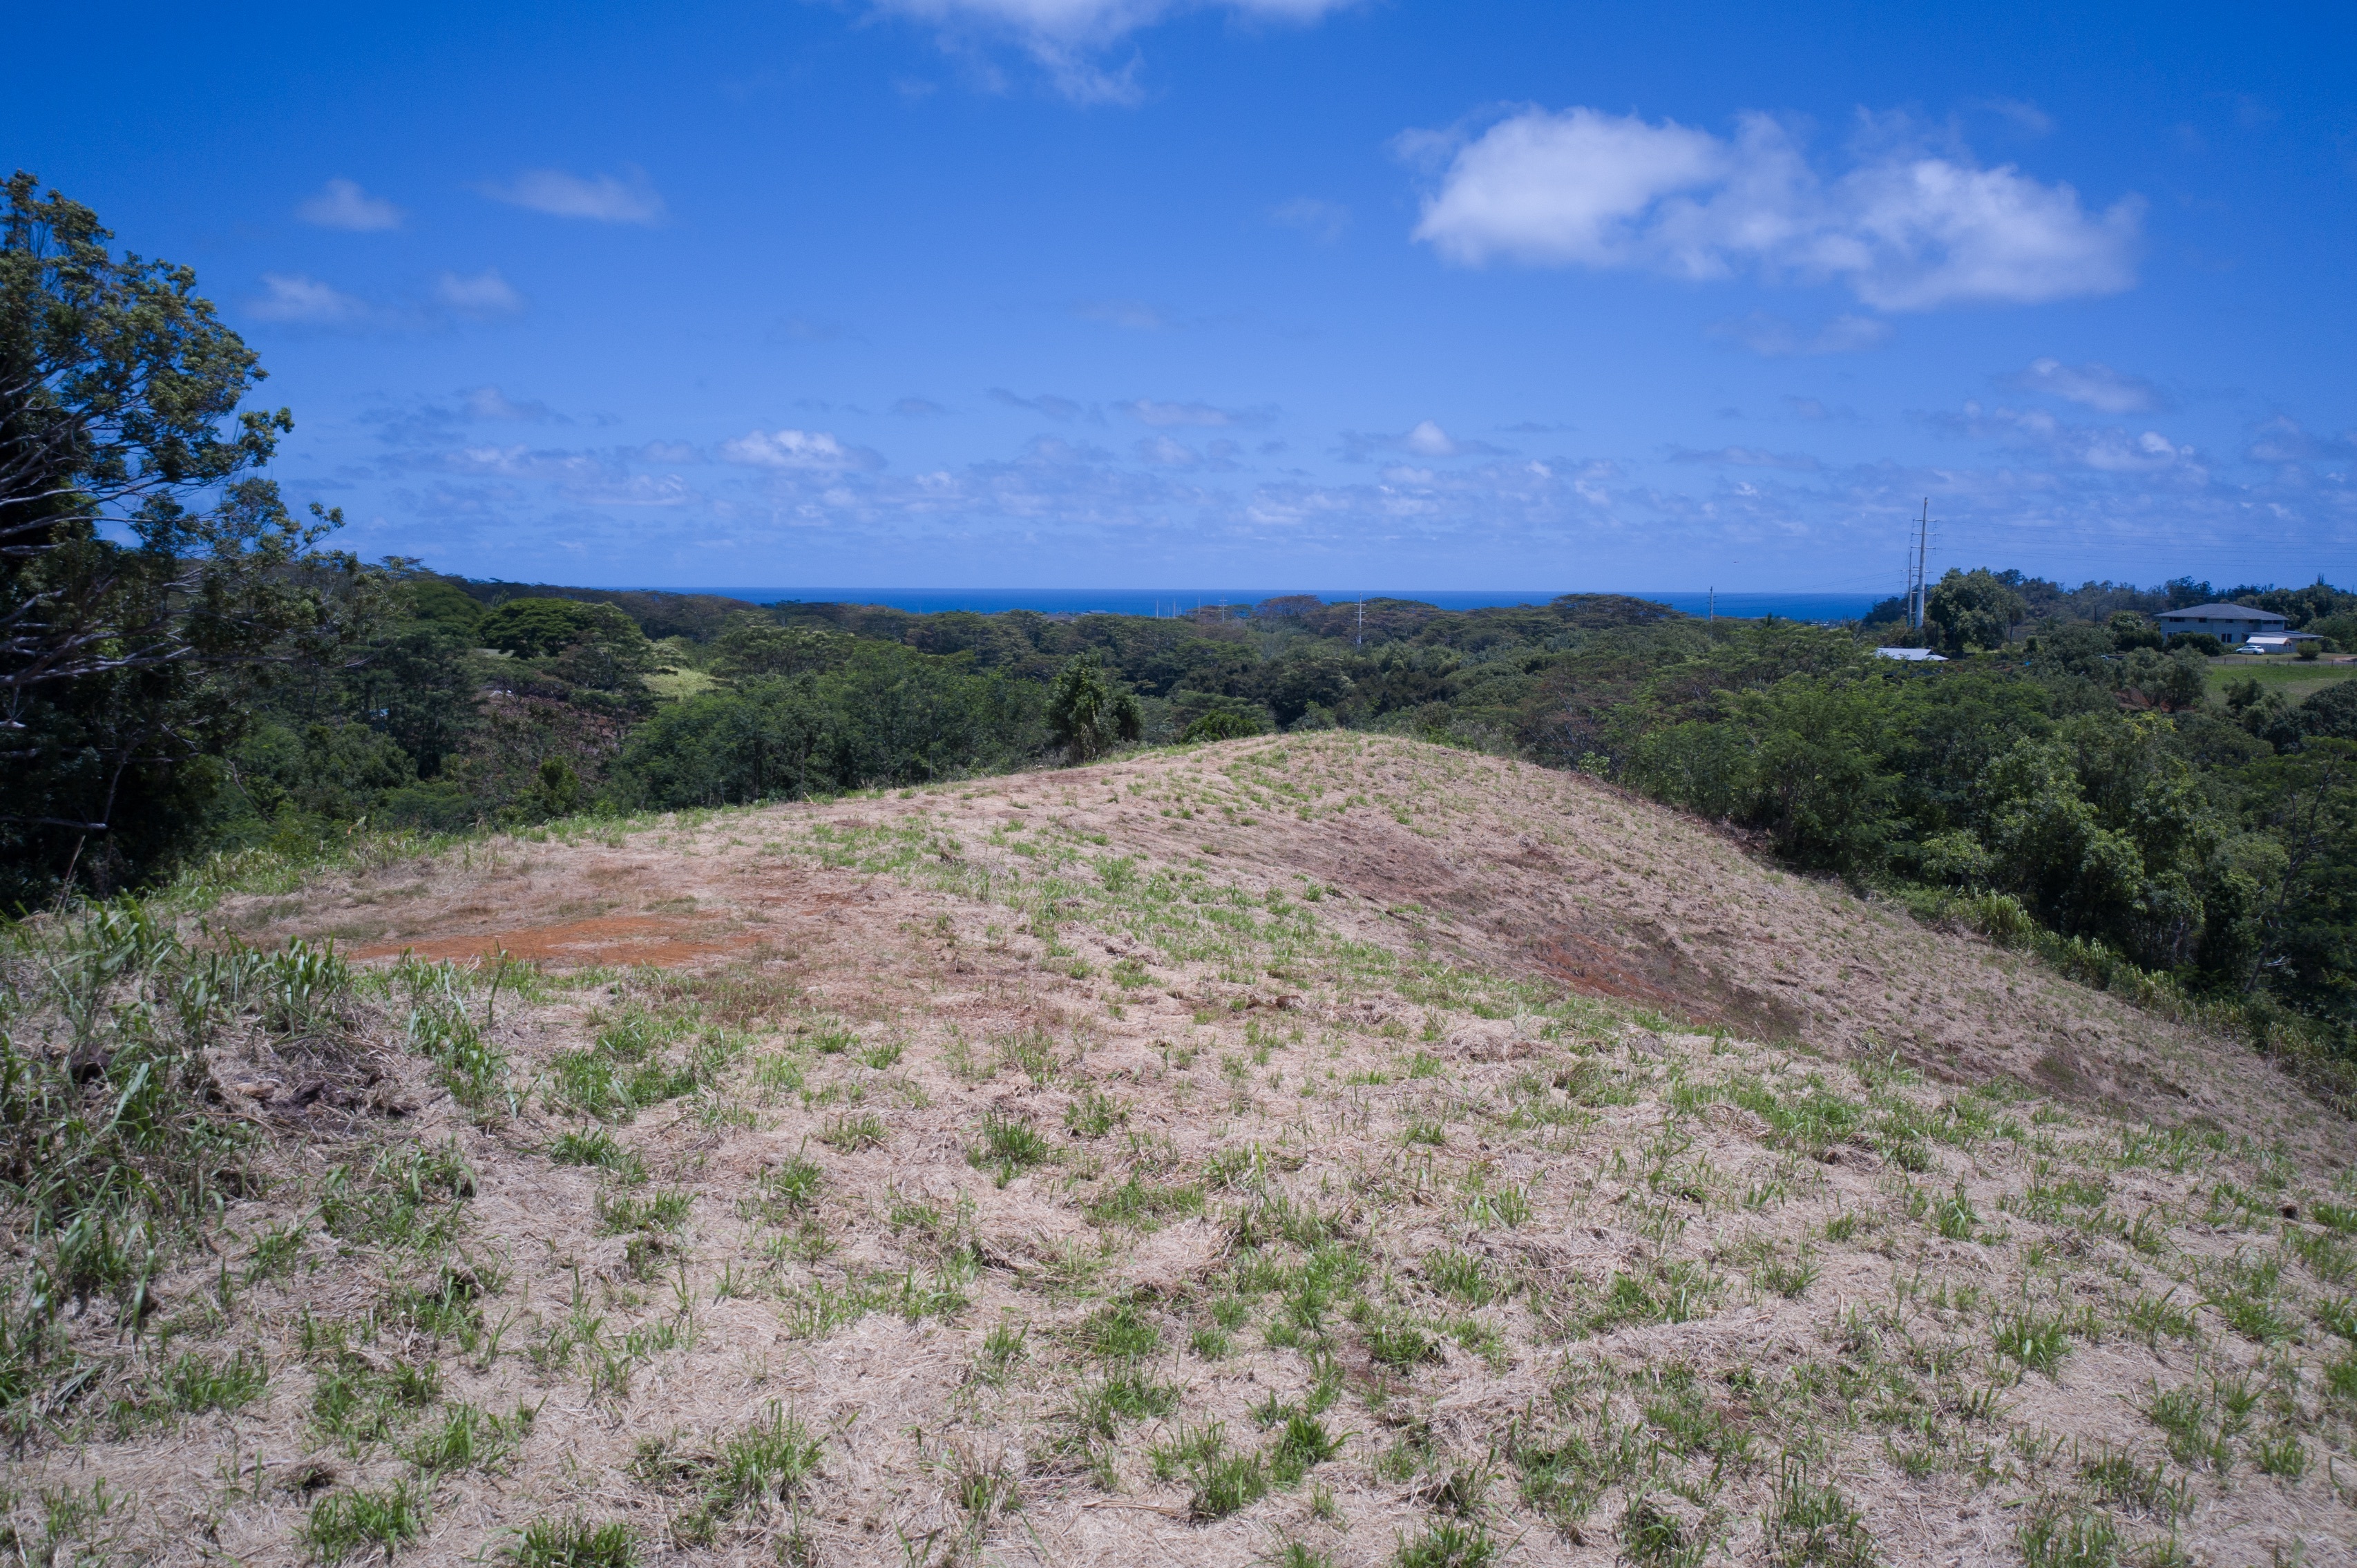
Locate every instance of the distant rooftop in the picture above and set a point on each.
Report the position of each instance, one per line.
(2218, 612)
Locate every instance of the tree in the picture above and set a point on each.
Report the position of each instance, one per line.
(537, 628)
(1225, 723)
(1971, 610)
(751, 646)
(2130, 630)
(1291, 684)
(1088, 713)
(2305, 805)
(150, 579)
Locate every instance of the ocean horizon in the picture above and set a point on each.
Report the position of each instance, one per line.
(1795, 605)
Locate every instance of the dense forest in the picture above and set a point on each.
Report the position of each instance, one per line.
(188, 668)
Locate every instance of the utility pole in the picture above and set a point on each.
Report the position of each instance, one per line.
(1714, 602)
(1915, 585)
(1359, 640)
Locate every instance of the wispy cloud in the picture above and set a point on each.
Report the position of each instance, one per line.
(1162, 452)
(1903, 227)
(1162, 415)
(490, 402)
(1322, 221)
(1425, 438)
(2024, 115)
(1180, 496)
(1774, 337)
(1749, 457)
(1049, 403)
(2284, 440)
(1069, 38)
(482, 294)
(342, 204)
(2096, 384)
(918, 408)
(629, 197)
(298, 298)
(801, 449)
(2109, 450)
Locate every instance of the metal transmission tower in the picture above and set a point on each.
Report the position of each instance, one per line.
(1915, 567)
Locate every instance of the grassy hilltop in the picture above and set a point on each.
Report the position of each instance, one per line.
(1327, 1148)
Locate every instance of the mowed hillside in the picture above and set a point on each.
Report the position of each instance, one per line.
(1323, 1149)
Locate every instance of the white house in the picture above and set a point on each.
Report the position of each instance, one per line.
(2230, 624)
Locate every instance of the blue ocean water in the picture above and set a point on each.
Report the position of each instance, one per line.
(1796, 605)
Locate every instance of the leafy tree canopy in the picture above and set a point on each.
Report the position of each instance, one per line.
(151, 579)
(1090, 713)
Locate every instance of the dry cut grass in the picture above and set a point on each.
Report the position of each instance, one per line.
(1326, 1151)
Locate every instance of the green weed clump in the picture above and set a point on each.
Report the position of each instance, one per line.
(343, 1524)
(409, 1196)
(1815, 1526)
(1009, 1145)
(631, 1065)
(113, 1152)
(574, 1543)
(2059, 1535)
(440, 1027)
(1447, 1543)
(595, 1147)
(360, 1404)
(769, 1463)
(196, 1383)
(469, 1439)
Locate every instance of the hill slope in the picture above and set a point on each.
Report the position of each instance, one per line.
(1332, 1143)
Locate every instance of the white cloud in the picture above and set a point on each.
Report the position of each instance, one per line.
(1063, 35)
(485, 292)
(1321, 221)
(602, 198)
(1165, 452)
(1428, 440)
(1774, 337)
(1904, 230)
(294, 297)
(797, 449)
(2096, 384)
(2106, 450)
(1425, 438)
(342, 204)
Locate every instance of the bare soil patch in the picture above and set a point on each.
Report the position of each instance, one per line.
(616, 940)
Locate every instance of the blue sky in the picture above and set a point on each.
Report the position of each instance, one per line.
(1313, 292)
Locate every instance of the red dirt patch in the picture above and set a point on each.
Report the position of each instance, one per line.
(618, 940)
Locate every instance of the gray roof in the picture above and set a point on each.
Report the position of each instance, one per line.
(2219, 612)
